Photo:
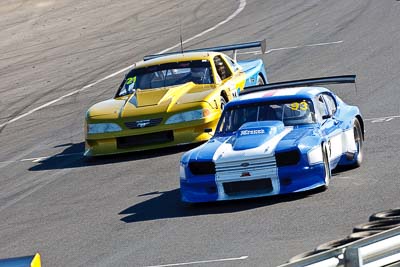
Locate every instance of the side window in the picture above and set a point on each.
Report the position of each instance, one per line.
(222, 69)
(320, 107)
(330, 102)
(234, 66)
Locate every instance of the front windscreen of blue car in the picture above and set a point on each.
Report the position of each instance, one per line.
(291, 113)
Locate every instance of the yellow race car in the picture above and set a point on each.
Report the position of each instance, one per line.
(170, 99)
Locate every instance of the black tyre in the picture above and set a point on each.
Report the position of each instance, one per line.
(381, 225)
(223, 103)
(393, 214)
(358, 138)
(260, 80)
(327, 169)
(364, 234)
(304, 255)
(337, 243)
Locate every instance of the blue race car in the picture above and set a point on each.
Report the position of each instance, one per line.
(275, 139)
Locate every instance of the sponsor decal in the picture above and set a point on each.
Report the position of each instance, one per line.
(252, 132)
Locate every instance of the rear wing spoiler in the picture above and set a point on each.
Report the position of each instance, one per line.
(232, 47)
(297, 83)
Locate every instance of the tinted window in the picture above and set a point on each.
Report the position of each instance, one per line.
(222, 69)
(291, 113)
(331, 104)
(232, 63)
(320, 107)
(198, 72)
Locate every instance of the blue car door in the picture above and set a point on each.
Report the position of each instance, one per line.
(330, 126)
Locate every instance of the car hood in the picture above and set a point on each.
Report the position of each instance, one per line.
(151, 101)
(252, 140)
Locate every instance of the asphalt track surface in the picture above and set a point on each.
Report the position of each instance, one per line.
(125, 210)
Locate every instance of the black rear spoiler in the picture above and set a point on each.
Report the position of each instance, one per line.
(232, 47)
(298, 83)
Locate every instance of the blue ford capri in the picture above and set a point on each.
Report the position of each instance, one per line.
(275, 139)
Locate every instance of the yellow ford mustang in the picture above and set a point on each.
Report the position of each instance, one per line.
(169, 100)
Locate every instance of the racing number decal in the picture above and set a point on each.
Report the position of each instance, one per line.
(235, 93)
(130, 80)
(296, 106)
(232, 88)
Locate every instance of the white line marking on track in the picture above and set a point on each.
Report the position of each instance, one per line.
(383, 119)
(35, 160)
(7, 161)
(39, 159)
(200, 262)
(242, 5)
(301, 46)
(290, 47)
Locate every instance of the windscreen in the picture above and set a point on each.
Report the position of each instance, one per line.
(169, 74)
(296, 112)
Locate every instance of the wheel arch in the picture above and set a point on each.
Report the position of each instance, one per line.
(262, 77)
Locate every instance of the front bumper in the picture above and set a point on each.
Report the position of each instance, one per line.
(290, 180)
(149, 138)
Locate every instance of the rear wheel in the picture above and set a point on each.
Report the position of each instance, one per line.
(358, 139)
(260, 80)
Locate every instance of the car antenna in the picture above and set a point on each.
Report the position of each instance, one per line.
(180, 35)
(180, 26)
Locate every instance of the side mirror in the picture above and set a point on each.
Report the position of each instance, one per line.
(208, 130)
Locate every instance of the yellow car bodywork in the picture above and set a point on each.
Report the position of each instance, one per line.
(159, 104)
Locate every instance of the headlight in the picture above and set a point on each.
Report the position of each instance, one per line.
(96, 128)
(188, 116)
(182, 172)
(315, 155)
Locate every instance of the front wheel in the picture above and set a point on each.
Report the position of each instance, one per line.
(260, 80)
(223, 103)
(358, 139)
(327, 169)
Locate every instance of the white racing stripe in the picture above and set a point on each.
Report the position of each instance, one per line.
(200, 262)
(242, 4)
(226, 155)
(225, 151)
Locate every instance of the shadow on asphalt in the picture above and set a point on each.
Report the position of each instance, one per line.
(168, 205)
(72, 157)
